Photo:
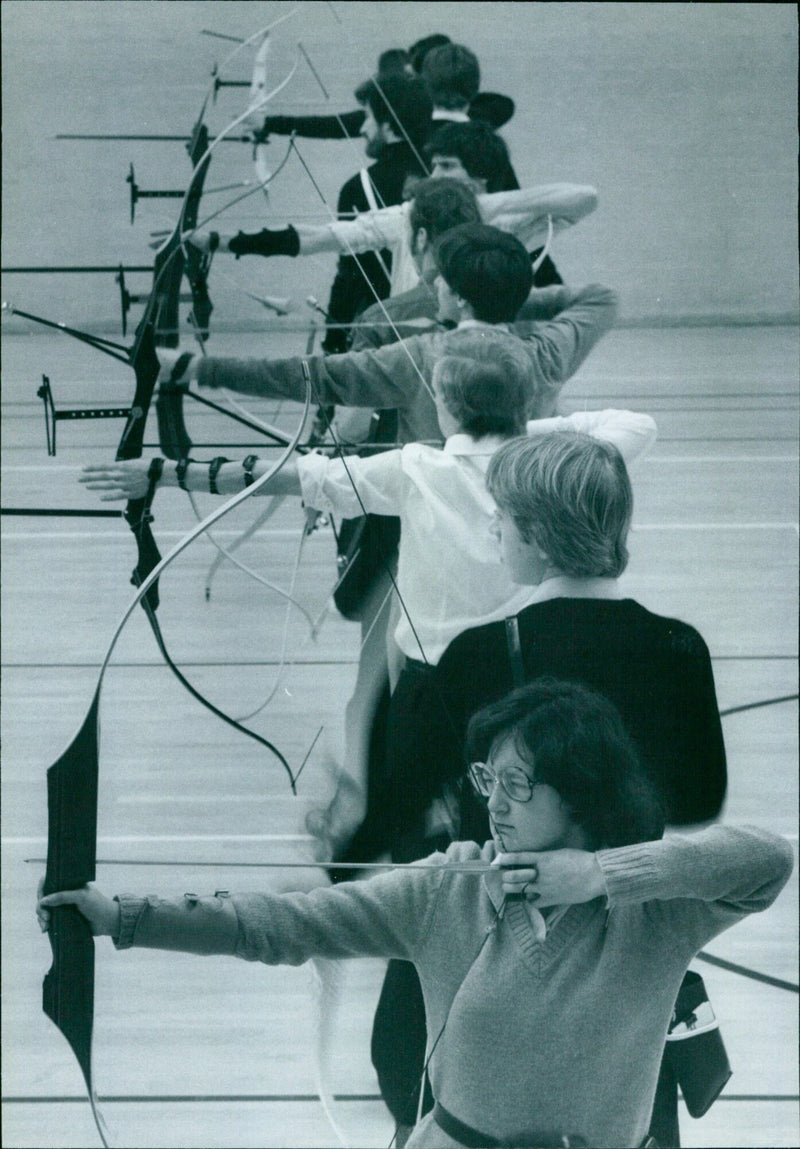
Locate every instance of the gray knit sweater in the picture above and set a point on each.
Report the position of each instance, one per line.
(389, 377)
(565, 1033)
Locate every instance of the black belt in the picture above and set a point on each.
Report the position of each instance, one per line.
(474, 1139)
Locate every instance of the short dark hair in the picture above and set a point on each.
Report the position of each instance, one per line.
(489, 268)
(419, 50)
(484, 379)
(393, 60)
(441, 204)
(571, 495)
(452, 74)
(400, 101)
(575, 741)
(483, 155)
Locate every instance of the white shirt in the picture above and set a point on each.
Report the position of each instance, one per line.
(450, 577)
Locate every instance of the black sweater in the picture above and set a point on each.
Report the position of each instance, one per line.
(351, 292)
(656, 670)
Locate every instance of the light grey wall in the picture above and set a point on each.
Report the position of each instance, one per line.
(682, 115)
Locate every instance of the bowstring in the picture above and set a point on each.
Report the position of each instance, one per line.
(387, 565)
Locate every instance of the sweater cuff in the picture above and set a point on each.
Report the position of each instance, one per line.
(130, 909)
(630, 873)
(266, 242)
(206, 376)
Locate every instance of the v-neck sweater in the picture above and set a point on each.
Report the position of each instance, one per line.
(564, 1033)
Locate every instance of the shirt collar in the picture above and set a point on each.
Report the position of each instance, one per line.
(564, 586)
(462, 444)
(466, 323)
(450, 115)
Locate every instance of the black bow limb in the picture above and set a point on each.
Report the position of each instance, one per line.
(68, 987)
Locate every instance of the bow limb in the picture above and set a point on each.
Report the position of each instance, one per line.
(72, 788)
(258, 35)
(226, 553)
(257, 89)
(226, 131)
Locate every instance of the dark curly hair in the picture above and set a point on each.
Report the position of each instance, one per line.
(575, 741)
(401, 101)
(483, 154)
(489, 268)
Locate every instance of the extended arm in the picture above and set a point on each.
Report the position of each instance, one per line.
(390, 377)
(128, 480)
(346, 126)
(371, 231)
(325, 484)
(388, 916)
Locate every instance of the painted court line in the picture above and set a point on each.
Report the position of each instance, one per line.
(291, 532)
(177, 838)
(714, 527)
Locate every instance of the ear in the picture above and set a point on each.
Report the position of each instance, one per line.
(478, 185)
(421, 241)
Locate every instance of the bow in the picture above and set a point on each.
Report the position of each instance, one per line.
(72, 788)
(72, 782)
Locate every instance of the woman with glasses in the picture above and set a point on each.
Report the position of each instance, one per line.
(564, 507)
(550, 957)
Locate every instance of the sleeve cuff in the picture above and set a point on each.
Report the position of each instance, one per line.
(629, 872)
(130, 908)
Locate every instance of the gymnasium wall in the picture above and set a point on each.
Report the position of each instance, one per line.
(682, 115)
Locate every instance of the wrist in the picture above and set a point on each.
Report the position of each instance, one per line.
(178, 475)
(598, 879)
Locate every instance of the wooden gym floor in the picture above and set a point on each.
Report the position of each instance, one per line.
(218, 1053)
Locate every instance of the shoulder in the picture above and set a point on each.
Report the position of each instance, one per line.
(423, 455)
(475, 641)
(679, 636)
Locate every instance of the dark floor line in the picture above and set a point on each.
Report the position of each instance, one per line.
(210, 1098)
(754, 657)
(324, 662)
(162, 665)
(744, 971)
(63, 512)
(756, 705)
(273, 1098)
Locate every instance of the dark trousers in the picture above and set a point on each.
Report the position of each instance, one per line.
(398, 1054)
(400, 783)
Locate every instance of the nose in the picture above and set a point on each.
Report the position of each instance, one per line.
(498, 799)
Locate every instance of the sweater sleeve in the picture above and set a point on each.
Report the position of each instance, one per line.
(632, 434)
(704, 882)
(347, 125)
(386, 916)
(388, 377)
(561, 345)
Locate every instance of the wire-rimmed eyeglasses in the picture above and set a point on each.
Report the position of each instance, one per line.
(518, 785)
